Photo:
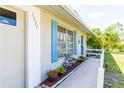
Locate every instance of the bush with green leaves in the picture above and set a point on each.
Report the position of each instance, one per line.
(121, 48)
(61, 70)
(80, 59)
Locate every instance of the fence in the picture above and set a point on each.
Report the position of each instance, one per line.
(99, 53)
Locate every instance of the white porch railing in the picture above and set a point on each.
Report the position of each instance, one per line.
(100, 54)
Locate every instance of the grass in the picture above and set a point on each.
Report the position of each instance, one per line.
(114, 73)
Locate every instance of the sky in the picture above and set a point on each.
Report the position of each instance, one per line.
(100, 16)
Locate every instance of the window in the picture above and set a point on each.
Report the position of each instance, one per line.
(69, 42)
(61, 41)
(7, 17)
(65, 42)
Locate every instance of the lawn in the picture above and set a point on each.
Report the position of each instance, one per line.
(114, 73)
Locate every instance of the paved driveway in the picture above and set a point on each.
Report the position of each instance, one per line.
(84, 77)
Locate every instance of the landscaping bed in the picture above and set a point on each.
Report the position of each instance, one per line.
(48, 84)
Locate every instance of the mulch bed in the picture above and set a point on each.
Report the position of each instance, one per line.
(50, 84)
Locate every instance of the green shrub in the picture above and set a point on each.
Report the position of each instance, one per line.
(80, 59)
(121, 48)
(61, 70)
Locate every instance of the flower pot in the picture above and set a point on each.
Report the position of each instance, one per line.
(52, 74)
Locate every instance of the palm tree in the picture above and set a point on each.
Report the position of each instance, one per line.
(111, 37)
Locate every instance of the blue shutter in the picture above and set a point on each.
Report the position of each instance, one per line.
(75, 42)
(54, 41)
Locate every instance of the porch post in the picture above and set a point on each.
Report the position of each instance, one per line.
(100, 78)
(33, 46)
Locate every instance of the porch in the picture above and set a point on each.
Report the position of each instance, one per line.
(89, 74)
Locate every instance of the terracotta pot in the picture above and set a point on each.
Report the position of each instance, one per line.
(52, 74)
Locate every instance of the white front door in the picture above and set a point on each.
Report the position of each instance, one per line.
(12, 55)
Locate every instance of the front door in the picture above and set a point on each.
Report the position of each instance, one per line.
(11, 47)
(81, 45)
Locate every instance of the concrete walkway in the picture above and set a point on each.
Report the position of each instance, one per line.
(84, 77)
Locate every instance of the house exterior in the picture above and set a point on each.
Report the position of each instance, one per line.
(34, 40)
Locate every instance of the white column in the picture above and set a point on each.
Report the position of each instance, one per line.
(100, 78)
(33, 46)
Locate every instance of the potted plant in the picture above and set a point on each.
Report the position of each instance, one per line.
(52, 75)
(65, 65)
(80, 59)
(61, 71)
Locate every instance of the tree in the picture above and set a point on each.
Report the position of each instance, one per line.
(107, 39)
(111, 36)
(95, 41)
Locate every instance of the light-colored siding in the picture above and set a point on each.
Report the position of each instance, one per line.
(46, 63)
(12, 56)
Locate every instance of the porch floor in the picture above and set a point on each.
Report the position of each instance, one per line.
(84, 77)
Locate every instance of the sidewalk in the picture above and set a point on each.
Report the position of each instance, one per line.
(84, 77)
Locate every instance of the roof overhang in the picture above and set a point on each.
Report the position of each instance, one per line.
(68, 14)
